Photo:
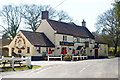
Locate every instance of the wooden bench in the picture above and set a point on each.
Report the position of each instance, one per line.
(55, 57)
(81, 57)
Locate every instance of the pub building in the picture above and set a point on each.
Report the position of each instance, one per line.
(57, 38)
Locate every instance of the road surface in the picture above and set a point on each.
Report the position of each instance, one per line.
(96, 68)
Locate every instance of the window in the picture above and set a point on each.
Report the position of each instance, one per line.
(78, 39)
(47, 50)
(86, 44)
(97, 45)
(38, 50)
(12, 50)
(28, 49)
(65, 38)
(19, 51)
(90, 41)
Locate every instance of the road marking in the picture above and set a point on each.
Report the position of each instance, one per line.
(35, 70)
(44, 70)
(0, 77)
(84, 68)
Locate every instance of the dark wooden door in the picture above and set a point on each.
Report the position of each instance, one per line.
(96, 53)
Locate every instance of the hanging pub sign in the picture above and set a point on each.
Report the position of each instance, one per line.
(20, 42)
(66, 43)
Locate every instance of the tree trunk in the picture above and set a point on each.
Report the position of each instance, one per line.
(115, 51)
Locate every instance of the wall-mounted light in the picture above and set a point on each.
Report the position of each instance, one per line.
(70, 49)
(52, 50)
(58, 47)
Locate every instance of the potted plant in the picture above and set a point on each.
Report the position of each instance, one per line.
(67, 57)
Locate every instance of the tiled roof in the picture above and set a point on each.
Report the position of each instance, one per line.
(99, 40)
(4, 42)
(70, 29)
(38, 39)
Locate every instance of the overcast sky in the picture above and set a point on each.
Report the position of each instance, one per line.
(77, 9)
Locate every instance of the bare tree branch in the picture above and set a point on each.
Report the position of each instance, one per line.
(12, 18)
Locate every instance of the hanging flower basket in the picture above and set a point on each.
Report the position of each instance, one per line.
(50, 51)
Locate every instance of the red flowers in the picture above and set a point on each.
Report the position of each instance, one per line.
(64, 51)
(50, 51)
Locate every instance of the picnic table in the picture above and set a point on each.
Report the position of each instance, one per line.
(13, 59)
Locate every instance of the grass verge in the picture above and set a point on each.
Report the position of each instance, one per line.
(111, 56)
(18, 68)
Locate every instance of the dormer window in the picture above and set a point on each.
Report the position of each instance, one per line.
(65, 38)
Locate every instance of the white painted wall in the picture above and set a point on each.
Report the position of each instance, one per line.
(24, 51)
(103, 50)
(59, 37)
(33, 50)
(47, 30)
(56, 38)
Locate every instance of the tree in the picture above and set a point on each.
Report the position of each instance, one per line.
(63, 16)
(12, 18)
(107, 24)
(117, 10)
(32, 15)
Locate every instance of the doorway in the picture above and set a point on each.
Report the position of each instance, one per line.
(96, 53)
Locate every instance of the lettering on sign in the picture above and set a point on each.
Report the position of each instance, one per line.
(67, 43)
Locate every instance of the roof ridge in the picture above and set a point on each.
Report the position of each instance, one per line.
(64, 22)
(30, 31)
(70, 29)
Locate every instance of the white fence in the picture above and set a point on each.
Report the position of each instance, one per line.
(73, 57)
(81, 57)
(55, 57)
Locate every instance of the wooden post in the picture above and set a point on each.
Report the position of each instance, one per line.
(61, 58)
(72, 57)
(28, 61)
(77, 57)
(13, 63)
(48, 58)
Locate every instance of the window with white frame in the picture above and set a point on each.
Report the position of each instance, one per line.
(38, 49)
(65, 38)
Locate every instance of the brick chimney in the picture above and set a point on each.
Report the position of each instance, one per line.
(83, 23)
(45, 15)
